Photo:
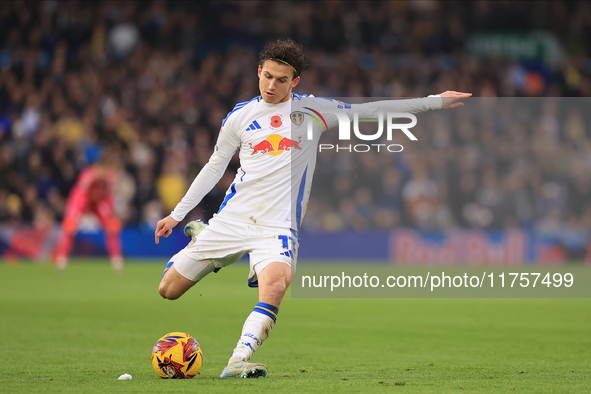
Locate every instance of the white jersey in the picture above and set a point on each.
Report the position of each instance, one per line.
(277, 159)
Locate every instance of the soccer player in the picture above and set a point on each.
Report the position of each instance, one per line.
(93, 193)
(264, 207)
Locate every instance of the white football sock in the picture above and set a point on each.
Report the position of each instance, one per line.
(256, 329)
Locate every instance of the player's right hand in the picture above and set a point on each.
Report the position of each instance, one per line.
(164, 228)
(450, 99)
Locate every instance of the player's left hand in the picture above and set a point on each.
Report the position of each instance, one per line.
(450, 99)
(164, 228)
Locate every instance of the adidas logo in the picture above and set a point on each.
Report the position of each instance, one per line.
(254, 126)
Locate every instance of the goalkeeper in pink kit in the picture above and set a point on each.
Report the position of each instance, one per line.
(93, 193)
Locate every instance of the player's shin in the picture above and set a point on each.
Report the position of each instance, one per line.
(256, 329)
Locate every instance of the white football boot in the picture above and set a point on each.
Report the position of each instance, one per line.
(193, 228)
(244, 369)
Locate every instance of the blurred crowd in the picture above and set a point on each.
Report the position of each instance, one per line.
(499, 163)
(155, 79)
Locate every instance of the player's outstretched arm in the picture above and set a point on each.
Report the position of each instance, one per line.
(450, 99)
(369, 112)
(227, 144)
(164, 228)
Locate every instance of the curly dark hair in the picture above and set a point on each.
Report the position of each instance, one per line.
(285, 51)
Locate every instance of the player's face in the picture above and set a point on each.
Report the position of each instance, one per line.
(276, 82)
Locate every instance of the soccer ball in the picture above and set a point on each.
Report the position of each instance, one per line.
(177, 356)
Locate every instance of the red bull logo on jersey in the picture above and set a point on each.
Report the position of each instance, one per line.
(275, 145)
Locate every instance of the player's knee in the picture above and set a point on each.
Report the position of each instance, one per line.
(166, 291)
(282, 281)
(278, 287)
(162, 289)
(275, 281)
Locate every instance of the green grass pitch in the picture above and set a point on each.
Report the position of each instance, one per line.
(77, 331)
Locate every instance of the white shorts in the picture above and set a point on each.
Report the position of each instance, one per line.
(223, 243)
